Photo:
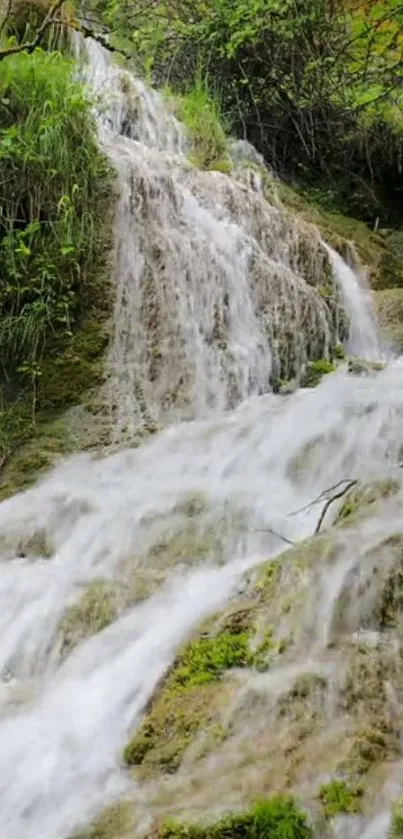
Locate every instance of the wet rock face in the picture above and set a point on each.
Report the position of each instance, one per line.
(313, 684)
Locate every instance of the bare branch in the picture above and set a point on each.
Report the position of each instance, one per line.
(334, 497)
(324, 496)
(275, 533)
(100, 38)
(50, 18)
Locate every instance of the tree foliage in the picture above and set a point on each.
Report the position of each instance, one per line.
(316, 85)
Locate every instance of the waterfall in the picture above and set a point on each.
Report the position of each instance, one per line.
(217, 291)
(209, 274)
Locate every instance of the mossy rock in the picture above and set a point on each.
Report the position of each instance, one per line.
(188, 701)
(170, 727)
(360, 499)
(70, 374)
(396, 823)
(369, 747)
(274, 818)
(361, 367)
(339, 796)
(116, 822)
(389, 307)
(315, 371)
(97, 608)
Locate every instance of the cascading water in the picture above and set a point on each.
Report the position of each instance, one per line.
(210, 295)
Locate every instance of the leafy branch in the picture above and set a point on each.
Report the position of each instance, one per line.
(51, 18)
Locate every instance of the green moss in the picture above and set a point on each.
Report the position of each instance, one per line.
(207, 658)
(275, 818)
(389, 608)
(189, 542)
(315, 371)
(96, 609)
(389, 306)
(187, 700)
(113, 823)
(267, 651)
(200, 111)
(170, 726)
(362, 497)
(339, 352)
(340, 797)
(194, 505)
(361, 367)
(396, 826)
(268, 579)
(370, 746)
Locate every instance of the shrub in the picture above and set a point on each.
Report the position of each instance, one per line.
(274, 818)
(52, 200)
(339, 797)
(200, 111)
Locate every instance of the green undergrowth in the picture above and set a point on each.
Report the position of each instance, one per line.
(56, 195)
(340, 797)
(186, 709)
(396, 826)
(200, 112)
(275, 818)
(207, 658)
(187, 700)
(315, 371)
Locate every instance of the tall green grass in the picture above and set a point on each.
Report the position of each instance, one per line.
(200, 111)
(53, 182)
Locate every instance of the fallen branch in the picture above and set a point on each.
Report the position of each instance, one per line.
(275, 533)
(322, 497)
(334, 497)
(100, 38)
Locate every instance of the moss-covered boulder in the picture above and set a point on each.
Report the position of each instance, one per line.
(389, 307)
(360, 500)
(115, 822)
(96, 608)
(278, 817)
(339, 796)
(315, 371)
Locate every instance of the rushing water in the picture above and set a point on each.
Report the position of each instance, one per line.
(64, 722)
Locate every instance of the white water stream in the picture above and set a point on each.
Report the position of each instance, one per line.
(63, 724)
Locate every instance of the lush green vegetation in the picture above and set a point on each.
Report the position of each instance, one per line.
(275, 818)
(55, 188)
(340, 797)
(206, 658)
(315, 371)
(52, 182)
(396, 827)
(200, 111)
(314, 84)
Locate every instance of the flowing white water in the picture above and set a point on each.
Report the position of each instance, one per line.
(64, 723)
(363, 339)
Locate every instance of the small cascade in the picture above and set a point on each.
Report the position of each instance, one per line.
(363, 339)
